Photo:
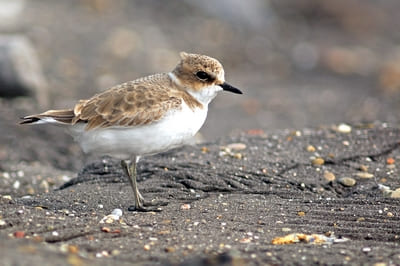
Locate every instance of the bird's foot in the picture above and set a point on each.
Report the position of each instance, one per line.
(153, 206)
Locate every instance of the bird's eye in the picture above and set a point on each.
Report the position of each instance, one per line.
(202, 75)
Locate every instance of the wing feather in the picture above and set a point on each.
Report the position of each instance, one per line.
(134, 103)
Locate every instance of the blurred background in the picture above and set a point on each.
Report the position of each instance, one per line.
(300, 63)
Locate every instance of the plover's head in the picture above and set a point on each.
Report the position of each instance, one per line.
(201, 75)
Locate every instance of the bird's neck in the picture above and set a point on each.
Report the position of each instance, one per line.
(203, 95)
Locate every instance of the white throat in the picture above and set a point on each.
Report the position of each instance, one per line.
(204, 96)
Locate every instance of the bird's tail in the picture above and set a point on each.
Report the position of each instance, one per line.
(51, 116)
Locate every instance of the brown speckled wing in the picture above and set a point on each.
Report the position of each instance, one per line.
(134, 103)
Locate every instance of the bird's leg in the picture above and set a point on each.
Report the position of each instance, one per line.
(129, 168)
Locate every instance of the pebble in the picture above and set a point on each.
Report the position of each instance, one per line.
(310, 148)
(380, 264)
(73, 249)
(236, 146)
(301, 213)
(245, 240)
(389, 214)
(169, 249)
(6, 175)
(30, 190)
(237, 155)
(146, 247)
(204, 149)
(117, 212)
(363, 168)
(7, 197)
(185, 206)
(364, 175)
(390, 160)
(101, 254)
(114, 216)
(19, 234)
(44, 185)
(115, 252)
(106, 229)
(329, 176)
(345, 142)
(395, 194)
(366, 249)
(318, 161)
(347, 181)
(344, 128)
(16, 184)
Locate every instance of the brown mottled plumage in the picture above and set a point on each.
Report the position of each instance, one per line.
(134, 103)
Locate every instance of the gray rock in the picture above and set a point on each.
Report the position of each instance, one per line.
(20, 70)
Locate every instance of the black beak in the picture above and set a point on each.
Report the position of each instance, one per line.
(226, 87)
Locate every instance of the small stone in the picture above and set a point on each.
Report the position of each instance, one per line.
(16, 184)
(236, 146)
(185, 206)
(395, 194)
(390, 160)
(264, 170)
(363, 168)
(364, 175)
(115, 252)
(106, 229)
(19, 234)
(286, 229)
(6, 175)
(44, 185)
(30, 190)
(73, 249)
(245, 240)
(20, 69)
(366, 249)
(389, 214)
(380, 264)
(2, 222)
(204, 149)
(329, 176)
(114, 216)
(344, 128)
(146, 247)
(7, 197)
(310, 148)
(318, 161)
(301, 213)
(237, 155)
(347, 181)
(117, 212)
(169, 249)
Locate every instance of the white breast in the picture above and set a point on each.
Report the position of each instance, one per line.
(173, 130)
